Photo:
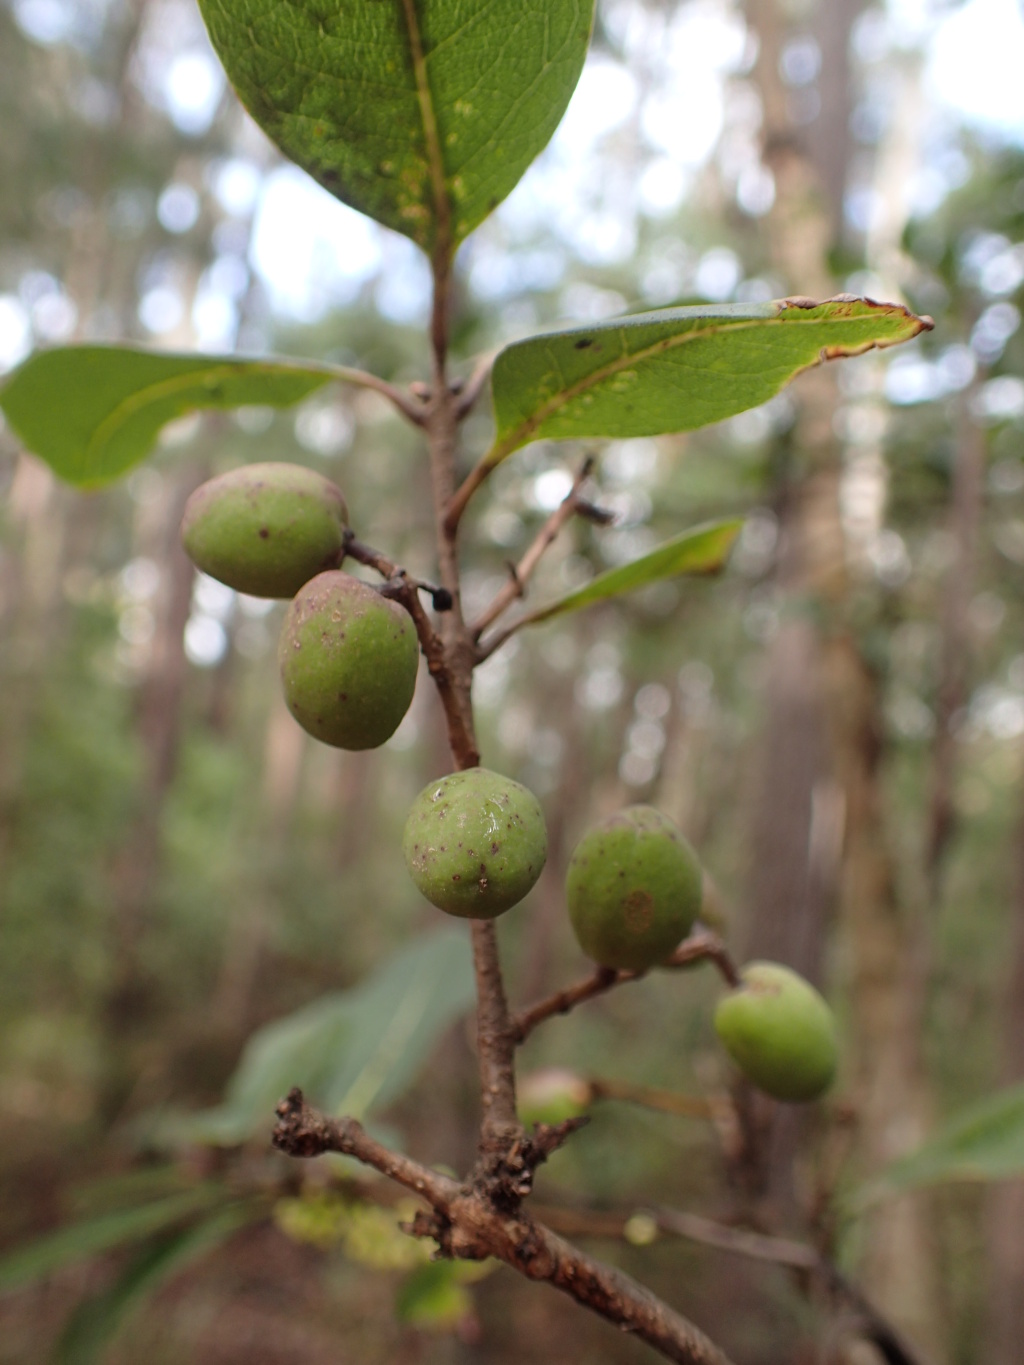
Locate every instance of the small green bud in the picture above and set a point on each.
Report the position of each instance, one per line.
(552, 1095)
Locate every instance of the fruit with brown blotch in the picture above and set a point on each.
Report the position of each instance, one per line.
(348, 660)
(633, 889)
(265, 529)
(475, 842)
(779, 1032)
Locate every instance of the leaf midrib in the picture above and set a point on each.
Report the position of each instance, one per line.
(136, 401)
(723, 531)
(519, 434)
(389, 1046)
(442, 245)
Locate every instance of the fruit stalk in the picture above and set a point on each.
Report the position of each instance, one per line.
(483, 1215)
(500, 1127)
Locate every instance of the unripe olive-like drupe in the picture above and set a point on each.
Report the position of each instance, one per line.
(475, 842)
(265, 529)
(633, 889)
(552, 1095)
(779, 1032)
(348, 661)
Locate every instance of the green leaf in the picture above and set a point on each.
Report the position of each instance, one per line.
(129, 1189)
(397, 1016)
(675, 369)
(984, 1142)
(434, 1298)
(352, 1051)
(91, 412)
(421, 113)
(88, 1238)
(97, 1320)
(701, 550)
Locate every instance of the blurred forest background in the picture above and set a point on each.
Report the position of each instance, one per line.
(837, 722)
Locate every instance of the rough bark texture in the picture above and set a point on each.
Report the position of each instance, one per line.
(466, 1222)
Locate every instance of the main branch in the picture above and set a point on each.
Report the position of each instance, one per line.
(482, 1216)
(520, 574)
(467, 1224)
(699, 947)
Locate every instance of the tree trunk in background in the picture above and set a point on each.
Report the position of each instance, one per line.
(233, 1011)
(30, 618)
(899, 1267)
(792, 864)
(810, 170)
(159, 725)
(1006, 1200)
(790, 881)
(966, 500)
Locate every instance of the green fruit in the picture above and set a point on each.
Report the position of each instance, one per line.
(475, 842)
(779, 1032)
(633, 889)
(552, 1095)
(265, 529)
(348, 661)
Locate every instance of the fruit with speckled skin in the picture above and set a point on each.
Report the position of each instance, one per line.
(265, 529)
(475, 842)
(348, 661)
(633, 889)
(779, 1032)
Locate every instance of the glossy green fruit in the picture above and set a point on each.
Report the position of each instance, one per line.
(348, 661)
(633, 889)
(475, 842)
(779, 1032)
(265, 529)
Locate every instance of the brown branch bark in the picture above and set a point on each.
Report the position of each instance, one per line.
(650, 1097)
(521, 573)
(474, 386)
(699, 947)
(483, 1216)
(467, 1225)
(781, 1251)
(406, 404)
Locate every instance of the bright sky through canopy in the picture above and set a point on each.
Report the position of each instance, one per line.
(313, 252)
(976, 65)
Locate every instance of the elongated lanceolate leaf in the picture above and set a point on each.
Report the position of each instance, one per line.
(397, 1017)
(79, 1241)
(984, 1142)
(91, 412)
(97, 1320)
(675, 369)
(421, 113)
(352, 1051)
(701, 550)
